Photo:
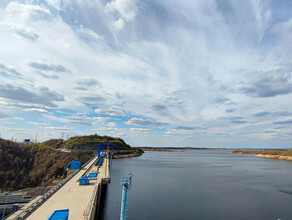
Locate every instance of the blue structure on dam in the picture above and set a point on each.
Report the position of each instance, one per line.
(74, 165)
(126, 185)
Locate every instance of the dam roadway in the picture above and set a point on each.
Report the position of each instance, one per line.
(81, 200)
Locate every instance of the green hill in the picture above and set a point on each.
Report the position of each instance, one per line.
(27, 165)
(90, 142)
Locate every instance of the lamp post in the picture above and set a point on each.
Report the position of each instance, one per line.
(6, 200)
(110, 169)
(64, 172)
(45, 186)
(126, 184)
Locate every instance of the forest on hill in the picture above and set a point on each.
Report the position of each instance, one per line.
(25, 165)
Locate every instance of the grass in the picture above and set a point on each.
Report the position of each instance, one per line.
(265, 152)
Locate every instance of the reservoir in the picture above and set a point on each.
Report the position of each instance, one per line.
(202, 185)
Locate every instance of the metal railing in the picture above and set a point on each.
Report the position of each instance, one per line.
(93, 198)
(89, 168)
(91, 202)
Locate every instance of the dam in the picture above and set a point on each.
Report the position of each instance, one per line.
(78, 195)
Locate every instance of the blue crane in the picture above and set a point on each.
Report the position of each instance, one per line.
(126, 185)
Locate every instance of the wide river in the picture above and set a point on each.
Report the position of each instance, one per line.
(202, 185)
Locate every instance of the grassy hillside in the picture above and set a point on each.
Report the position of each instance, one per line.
(16, 162)
(90, 142)
(27, 165)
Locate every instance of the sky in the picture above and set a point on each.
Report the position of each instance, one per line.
(204, 73)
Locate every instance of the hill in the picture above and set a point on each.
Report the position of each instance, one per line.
(25, 165)
(90, 142)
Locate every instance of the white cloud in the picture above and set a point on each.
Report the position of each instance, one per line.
(101, 119)
(168, 68)
(139, 130)
(111, 124)
(36, 123)
(110, 130)
(110, 112)
(119, 24)
(263, 17)
(38, 110)
(107, 129)
(55, 4)
(141, 122)
(127, 8)
(27, 12)
(18, 118)
(57, 128)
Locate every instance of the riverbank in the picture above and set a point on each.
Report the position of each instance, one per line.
(159, 149)
(274, 157)
(119, 156)
(270, 154)
(176, 149)
(135, 152)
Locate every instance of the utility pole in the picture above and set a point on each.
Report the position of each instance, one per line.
(45, 186)
(64, 171)
(6, 200)
(126, 183)
(36, 137)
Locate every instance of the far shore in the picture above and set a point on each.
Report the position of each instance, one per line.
(119, 156)
(279, 157)
(176, 149)
(160, 149)
(270, 154)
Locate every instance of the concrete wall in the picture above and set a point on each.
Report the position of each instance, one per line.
(99, 202)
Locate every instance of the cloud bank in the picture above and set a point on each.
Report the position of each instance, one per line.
(190, 73)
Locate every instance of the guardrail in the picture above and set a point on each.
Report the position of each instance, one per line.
(95, 196)
(25, 213)
(91, 202)
(89, 168)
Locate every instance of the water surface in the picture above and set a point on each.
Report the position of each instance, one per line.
(202, 185)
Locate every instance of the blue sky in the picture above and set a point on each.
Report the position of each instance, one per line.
(213, 73)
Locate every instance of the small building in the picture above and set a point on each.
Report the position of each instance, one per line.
(26, 140)
(74, 165)
(61, 214)
(83, 181)
(92, 176)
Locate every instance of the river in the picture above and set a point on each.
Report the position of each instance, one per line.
(202, 185)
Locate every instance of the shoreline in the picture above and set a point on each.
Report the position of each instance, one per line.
(126, 156)
(277, 157)
(269, 154)
(161, 150)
